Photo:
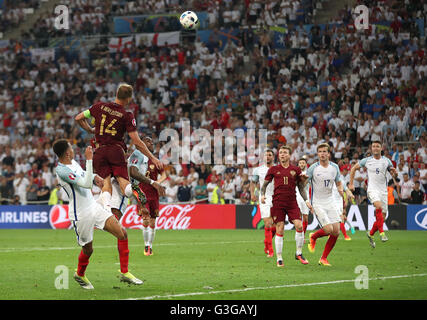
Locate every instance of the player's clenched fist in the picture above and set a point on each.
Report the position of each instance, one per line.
(89, 153)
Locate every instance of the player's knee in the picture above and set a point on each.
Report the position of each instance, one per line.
(87, 250)
(125, 234)
(121, 236)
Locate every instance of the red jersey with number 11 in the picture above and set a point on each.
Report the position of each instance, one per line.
(111, 123)
(285, 181)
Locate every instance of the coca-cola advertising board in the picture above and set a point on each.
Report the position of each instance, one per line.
(188, 216)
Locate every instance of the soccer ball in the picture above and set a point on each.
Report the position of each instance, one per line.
(189, 20)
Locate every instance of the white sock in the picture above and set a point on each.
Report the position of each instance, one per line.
(128, 191)
(299, 239)
(145, 234)
(279, 246)
(106, 199)
(151, 234)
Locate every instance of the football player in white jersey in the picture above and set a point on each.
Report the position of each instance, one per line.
(322, 176)
(85, 213)
(377, 166)
(302, 163)
(258, 175)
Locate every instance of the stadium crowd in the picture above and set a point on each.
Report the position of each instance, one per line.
(338, 85)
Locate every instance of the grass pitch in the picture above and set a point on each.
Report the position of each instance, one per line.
(212, 265)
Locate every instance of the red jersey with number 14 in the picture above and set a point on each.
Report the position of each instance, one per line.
(285, 181)
(111, 123)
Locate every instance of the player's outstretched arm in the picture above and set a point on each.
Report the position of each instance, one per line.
(85, 181)
(81, 120)
(141, 146)
(301, 188)
(135, 174)
(263, 190)
(352, 173)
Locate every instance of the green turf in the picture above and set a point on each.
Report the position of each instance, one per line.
(230, 264)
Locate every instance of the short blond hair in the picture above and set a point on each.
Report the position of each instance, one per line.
(324, 145)
(124, 91)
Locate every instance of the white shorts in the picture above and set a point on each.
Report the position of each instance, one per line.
(326, 213)
(302, 205)
(375, 196)
(118, 201)
(265, 210)
(95, 217)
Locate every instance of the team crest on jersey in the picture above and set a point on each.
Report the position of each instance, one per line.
(134, 122)
(134, 161)
(72, 176)
(293, 173)
(151, 166)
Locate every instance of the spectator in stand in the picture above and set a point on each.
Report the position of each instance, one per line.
(184, 191)
(406, 187)
(417, 196)
(43, 192)
(200, 190)
(20, 185)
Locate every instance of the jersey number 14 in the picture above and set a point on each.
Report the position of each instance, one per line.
(109, 129)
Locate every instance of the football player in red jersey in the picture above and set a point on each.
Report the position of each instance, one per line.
(286, 178)
(151, 188)
(111, 123)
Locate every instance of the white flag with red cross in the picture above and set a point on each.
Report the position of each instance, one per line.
(118, 44)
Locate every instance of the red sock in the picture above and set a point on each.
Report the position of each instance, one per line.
(342, 227)
(380, 220)
(83, 262)
(122, 245)
(304, 226)
(329, 246)
(268, 237)
(374, 228)
(318, 234)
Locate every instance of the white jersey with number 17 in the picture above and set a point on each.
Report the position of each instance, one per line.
(322, 180)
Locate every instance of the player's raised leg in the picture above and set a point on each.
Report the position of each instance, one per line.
(79, 275)
(333, 230)
(320, 214)
(114, 227)
(130, 190)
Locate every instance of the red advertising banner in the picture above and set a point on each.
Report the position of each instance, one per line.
(188, 216)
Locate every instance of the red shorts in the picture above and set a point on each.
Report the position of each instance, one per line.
(279, 212)
(110, 161)
(153, 208)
